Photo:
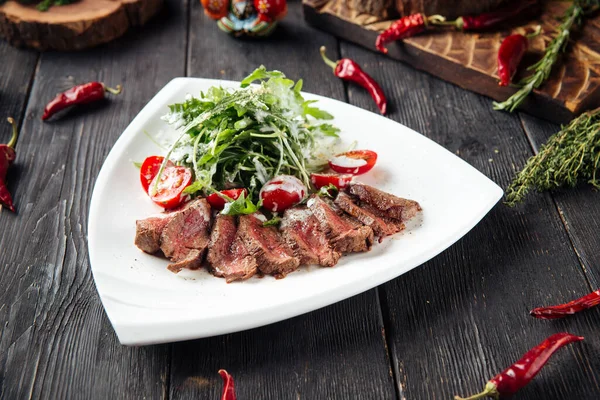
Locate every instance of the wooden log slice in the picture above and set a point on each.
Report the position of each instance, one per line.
(76, 26)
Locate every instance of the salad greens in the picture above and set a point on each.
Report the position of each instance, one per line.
(244, 137)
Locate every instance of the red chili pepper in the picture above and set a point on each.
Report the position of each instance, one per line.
(7, 156)
(349, 70)
(570, 308)
(510, 54)
(228, 389)
(80, 94)
(403, 28)
(488, 20)
(519, 374)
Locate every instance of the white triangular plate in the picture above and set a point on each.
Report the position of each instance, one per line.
(148, 304)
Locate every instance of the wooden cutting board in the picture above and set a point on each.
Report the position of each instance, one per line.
(469, 59)
(76, 26)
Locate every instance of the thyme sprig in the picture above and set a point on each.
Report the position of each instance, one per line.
(543, 67)
(570, 156)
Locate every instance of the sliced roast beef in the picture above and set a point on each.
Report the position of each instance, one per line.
(387, 204)
(301, 231)
(227, 255)
(272, 254)
(345, 236)
(381, 226)
(185, 237)
(148, 231)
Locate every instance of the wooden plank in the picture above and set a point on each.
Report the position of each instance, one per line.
(469, 59)
(56, 342)
(18, 67)
(579, 208)
(338, 352)
(459, 319)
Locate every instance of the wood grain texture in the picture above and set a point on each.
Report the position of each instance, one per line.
(579, 208)
(469, 59)
(459, 319)
(335, 353)
(76, 26)
(56, 342)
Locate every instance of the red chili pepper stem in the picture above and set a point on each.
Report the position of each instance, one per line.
(537, 31)
(490, 390)
(328, 61)
(15, 133)
(115, 90)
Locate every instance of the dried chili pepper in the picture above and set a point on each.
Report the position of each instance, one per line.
(519, 374)
(403, 28)
(80, 94)
(510, 54)
(488, 20)
(228, 389)
(570, 308)
(349, 70)
(7, 156)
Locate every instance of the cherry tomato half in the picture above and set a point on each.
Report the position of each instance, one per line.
(271, 10)
(339, 181)
(217, 202)
(149, 170)
(354, 162)
(282, 192)
(172, 182)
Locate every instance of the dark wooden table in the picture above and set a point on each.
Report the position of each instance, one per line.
(442, 329)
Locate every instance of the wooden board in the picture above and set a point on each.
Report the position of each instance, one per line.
(76, 26)
(469, 59)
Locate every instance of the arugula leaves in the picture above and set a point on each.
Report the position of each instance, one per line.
(244, 137)
(241, 206)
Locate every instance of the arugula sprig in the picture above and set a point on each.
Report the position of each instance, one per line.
(244, 137)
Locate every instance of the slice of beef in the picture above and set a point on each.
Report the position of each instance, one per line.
(344, 235)
(389, 205)
(272, 254)
(185, 237)
(381, 226)
(148, 231)
(227, 255)
(301, 231)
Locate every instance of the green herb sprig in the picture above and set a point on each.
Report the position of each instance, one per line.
(570, 156)
(543, 68)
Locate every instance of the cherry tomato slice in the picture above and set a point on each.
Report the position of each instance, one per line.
(149, 170)
(282, 192)
(339, 181)
(354, 162)
(218, 202)
(172, 182)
